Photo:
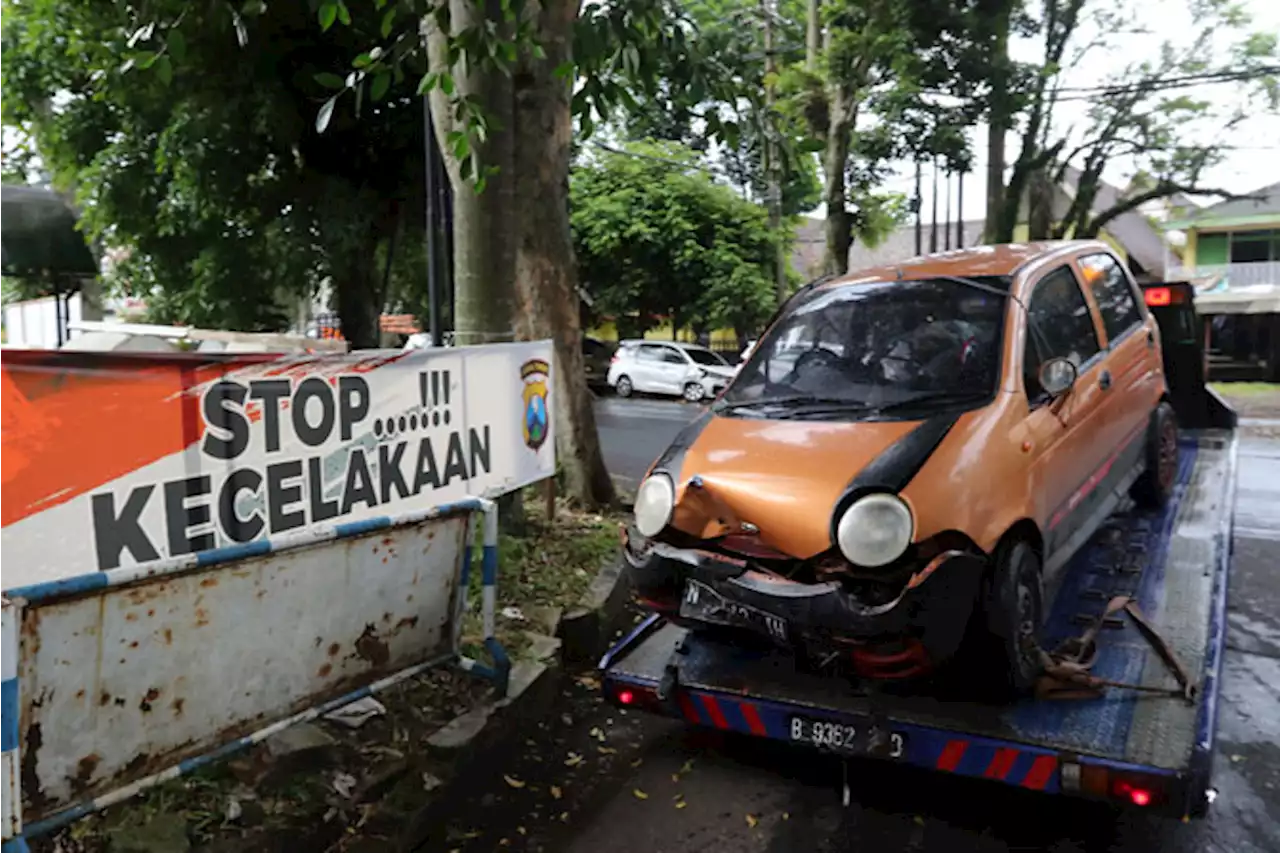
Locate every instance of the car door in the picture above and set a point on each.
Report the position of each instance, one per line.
(1131, 367)
(674, 370)
(1067, 453)
(647, 370)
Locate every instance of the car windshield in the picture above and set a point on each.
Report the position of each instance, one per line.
(706, 356)
(878, 345)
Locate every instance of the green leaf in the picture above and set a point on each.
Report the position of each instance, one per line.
(330, 80)
(344, 14)
(810, 146)
(145, 60)
(564, 69)
(387, 20)
(164, 69)
(177, 45)
(381, 81)
(326, 113)
(362, 61)
(446, 83)
(328, 13)
(427, 83)
(587, 125)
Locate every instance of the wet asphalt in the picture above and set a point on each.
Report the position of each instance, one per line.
(595, 778)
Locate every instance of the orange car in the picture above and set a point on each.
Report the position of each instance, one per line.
(909, 458)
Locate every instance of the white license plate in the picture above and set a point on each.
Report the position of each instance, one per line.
(847, 738)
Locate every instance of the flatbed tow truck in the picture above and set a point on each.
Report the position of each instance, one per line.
(1124, 746)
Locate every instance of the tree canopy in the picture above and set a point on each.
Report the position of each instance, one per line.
(656, 236)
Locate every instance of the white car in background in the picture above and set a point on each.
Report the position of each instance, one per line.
(658, 367)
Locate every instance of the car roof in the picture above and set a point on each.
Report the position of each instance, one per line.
(1004, 259)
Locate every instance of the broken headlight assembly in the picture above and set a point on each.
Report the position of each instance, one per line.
(875, 530)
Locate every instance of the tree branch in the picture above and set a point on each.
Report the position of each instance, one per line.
(1162, 189)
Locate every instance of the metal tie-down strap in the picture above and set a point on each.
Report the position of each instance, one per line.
(1066, 668)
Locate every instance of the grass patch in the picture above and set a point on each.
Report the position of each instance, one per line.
(1245, 389)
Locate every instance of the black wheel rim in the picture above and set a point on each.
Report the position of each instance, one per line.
(1168, 454)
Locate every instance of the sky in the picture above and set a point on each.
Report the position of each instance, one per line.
(1255, 163)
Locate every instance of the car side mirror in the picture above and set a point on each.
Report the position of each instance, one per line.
(1056, 376)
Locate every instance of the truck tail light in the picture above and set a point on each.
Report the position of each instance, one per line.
(1158, 296)
(634, 696)
(1130, 788)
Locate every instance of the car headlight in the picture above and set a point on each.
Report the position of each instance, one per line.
(654, 502)
(875, 530)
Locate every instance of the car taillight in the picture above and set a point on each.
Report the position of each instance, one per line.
(1158, 296)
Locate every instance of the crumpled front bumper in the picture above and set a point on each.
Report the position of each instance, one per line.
(919, 629)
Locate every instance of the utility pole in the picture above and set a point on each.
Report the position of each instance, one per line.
(960, 209)
(933, 230)
(919, 205)
(946, 216)
(772, 157)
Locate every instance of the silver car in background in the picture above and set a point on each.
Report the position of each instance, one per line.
(658, 367)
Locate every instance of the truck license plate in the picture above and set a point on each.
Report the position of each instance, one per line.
(848, 739)
(704, 604)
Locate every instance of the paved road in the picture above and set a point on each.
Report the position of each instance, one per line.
(599, 779)
(635, 431)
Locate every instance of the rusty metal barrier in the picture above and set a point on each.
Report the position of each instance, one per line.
(116, 681)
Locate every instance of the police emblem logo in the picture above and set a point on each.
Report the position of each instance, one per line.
(536, 373)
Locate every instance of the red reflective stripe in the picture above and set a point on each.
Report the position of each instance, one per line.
(949, 760)
(1001, 763)
(1040, 773)
(686, 708)
(752, 716)
(713, 711)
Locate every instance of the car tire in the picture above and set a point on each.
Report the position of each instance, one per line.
(694, 392)
(1015, 611)
(1154, 486)
(623, 387)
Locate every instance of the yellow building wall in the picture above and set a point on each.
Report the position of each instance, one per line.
(607, 330)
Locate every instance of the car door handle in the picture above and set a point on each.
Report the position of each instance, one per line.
(1151, 339)
(1104, 381)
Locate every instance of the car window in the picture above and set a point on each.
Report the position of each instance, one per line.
(1059, 324)
(1113, 293)
(650, 353)
(879, 343)
(706, 356)
(671, 356)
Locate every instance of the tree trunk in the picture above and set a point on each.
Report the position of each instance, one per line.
(546, 273)
(812, 36)
(999, 122)
(835, 157)
(484, 223)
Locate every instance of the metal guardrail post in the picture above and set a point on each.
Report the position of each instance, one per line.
(500, 672)
(9, 716)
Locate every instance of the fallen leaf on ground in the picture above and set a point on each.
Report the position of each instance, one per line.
(919, 821)
(675, 777)
(573, 760)
(786, 815)
(637, 762)
(522, 830)
(639, 795)
(555, 791)
(752, 820)
(589, 682)
(606, 750)
(681, 804)
(564, 817)
(513, 782)
(687, 767)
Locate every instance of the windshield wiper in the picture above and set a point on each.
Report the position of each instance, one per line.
(935, 398)
(793, 401)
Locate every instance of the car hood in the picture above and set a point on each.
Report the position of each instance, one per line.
(780, 476)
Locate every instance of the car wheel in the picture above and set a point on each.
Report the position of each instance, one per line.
(694, 392)
(1015, 611)
(623, 387)
(1152, 489)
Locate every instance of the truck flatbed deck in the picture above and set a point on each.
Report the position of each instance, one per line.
(1143, 749)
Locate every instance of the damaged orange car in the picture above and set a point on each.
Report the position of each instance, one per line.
(909, 458)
